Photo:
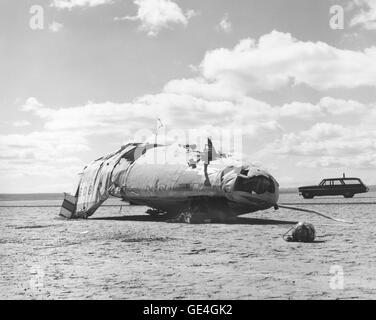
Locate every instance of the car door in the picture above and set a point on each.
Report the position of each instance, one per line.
(337, 187)
(325, 188)
(331, 188)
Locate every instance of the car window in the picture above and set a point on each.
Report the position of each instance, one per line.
(351, 181)
(337, 182)
(325, 183)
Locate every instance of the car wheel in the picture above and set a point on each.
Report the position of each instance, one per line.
(307, 195)
(348, 195)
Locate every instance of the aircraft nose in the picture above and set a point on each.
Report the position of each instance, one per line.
(257, 184)
(260, 188)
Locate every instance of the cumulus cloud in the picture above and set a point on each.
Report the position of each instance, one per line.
(277, 59)
(43, 156)
(303, 110)
(341, 106)
(330, 144)
(218, 91)
(258, 122)
(358, 161)
(21, 123)
(42, 145)
(179, 110)
(70, 4)
(366, 18)
(326, 106)
(31, 104)
(225, 25)
(155, 15)
(201, 87)
(47, 155)
(176, 110)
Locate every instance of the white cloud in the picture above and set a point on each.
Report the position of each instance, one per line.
(70, 4)
(358, 161)
(34, 161)
(218, 91)
(31, 104)
(55, 26)
(21, 123)
(342, 107)
(263, 135)
(366, 18)
(329, 144)
(155, 15)
(42, 145)
(302, 110)
(326, 106)
(200, 87)
(277, 59)
(175, 110)
(187, 111)
(225, 25)
(370, 117)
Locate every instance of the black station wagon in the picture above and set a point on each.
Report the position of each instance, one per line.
(346, 187)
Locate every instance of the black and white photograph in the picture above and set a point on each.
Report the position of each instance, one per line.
(187, 150)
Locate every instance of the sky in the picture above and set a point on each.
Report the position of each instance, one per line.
(79, 78)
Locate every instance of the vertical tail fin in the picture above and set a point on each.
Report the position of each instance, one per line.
(68, 208)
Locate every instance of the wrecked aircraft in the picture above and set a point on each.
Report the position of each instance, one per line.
(178, 181)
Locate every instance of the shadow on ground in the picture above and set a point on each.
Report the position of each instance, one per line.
(239, 220)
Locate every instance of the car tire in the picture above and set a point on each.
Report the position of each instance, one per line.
(348, 195)
(307, 195)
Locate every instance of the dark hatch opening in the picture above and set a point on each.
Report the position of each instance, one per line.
(258, 184)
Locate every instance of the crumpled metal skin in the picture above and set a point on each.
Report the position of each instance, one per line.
(171, 178)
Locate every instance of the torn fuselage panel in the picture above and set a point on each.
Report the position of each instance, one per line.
(96, 179)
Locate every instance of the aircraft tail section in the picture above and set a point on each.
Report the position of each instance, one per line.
(68, 208)
(96, 183)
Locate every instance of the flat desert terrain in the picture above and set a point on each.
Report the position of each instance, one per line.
(125, 254)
